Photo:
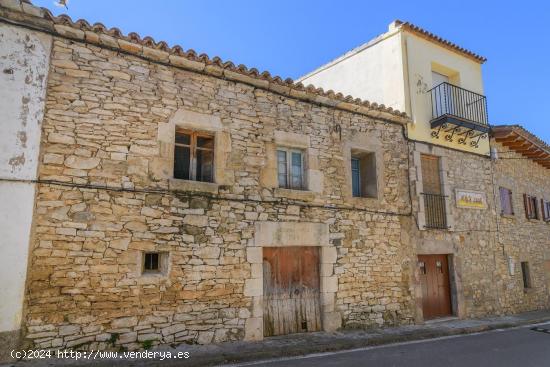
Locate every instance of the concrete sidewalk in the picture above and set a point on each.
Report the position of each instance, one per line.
(302, 344)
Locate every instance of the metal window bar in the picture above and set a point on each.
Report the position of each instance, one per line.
(448, 99)
(435, 211)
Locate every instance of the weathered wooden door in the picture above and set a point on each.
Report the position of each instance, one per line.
(291, 290)
(436, 293)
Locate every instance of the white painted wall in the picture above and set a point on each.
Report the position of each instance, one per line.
(24, 63)
(372, 72)
(15, 222)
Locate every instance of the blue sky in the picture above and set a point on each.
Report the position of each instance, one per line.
(291, 37)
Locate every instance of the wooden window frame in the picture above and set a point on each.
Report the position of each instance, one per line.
(193, 135)
(288, 175)
(510, 201)
(531, 207)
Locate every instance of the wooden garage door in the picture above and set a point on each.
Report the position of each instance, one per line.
(436, 293)
(291, 290)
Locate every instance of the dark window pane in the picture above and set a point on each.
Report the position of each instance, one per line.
(355, 177)
(205, 142)
(205, 165)
(526, 275)
(183, 138)
(151, 261)
(182, 158)
(282, 171)
(296, 177)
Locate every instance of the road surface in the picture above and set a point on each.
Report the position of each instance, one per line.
(500, 348)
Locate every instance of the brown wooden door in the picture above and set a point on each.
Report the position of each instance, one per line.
(436, 294)
(291, 290)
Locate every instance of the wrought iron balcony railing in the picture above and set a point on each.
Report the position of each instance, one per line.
(435, 211)
(459, 114)
(448, 99)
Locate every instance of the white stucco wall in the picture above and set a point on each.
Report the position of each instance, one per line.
(15, 222)
(24, 63)
(372, 72)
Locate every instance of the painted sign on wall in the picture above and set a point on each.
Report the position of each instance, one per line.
(471, 199)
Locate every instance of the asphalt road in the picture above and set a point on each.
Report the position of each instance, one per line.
(511, 347)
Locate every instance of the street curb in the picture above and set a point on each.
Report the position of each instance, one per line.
(350, 344)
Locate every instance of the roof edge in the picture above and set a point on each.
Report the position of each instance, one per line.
(41, 19)
(407, 26)
(509, 135)
(523, 132)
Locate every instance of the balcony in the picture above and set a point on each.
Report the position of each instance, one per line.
(458, 114)
(435, 211)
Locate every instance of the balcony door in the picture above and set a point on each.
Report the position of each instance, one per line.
(438, 79)
(444, 94)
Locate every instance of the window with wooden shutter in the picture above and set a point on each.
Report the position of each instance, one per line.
(434, 202)
(431, 179)
(531, 206)
(506, 207)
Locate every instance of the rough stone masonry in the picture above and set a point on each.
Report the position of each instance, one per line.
(106, 196)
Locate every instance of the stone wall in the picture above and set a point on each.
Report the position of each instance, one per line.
(470, 240)
(522, 239)
(106, 196)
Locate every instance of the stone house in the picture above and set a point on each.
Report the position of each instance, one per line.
(521, 178)
(166, 197)
(170, 185)
(439, 85)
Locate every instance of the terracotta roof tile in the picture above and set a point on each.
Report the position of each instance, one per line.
(524, 132)
(113, 37)
(443, 42)
(530, 145)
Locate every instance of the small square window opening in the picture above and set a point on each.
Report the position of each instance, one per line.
(152, 262)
